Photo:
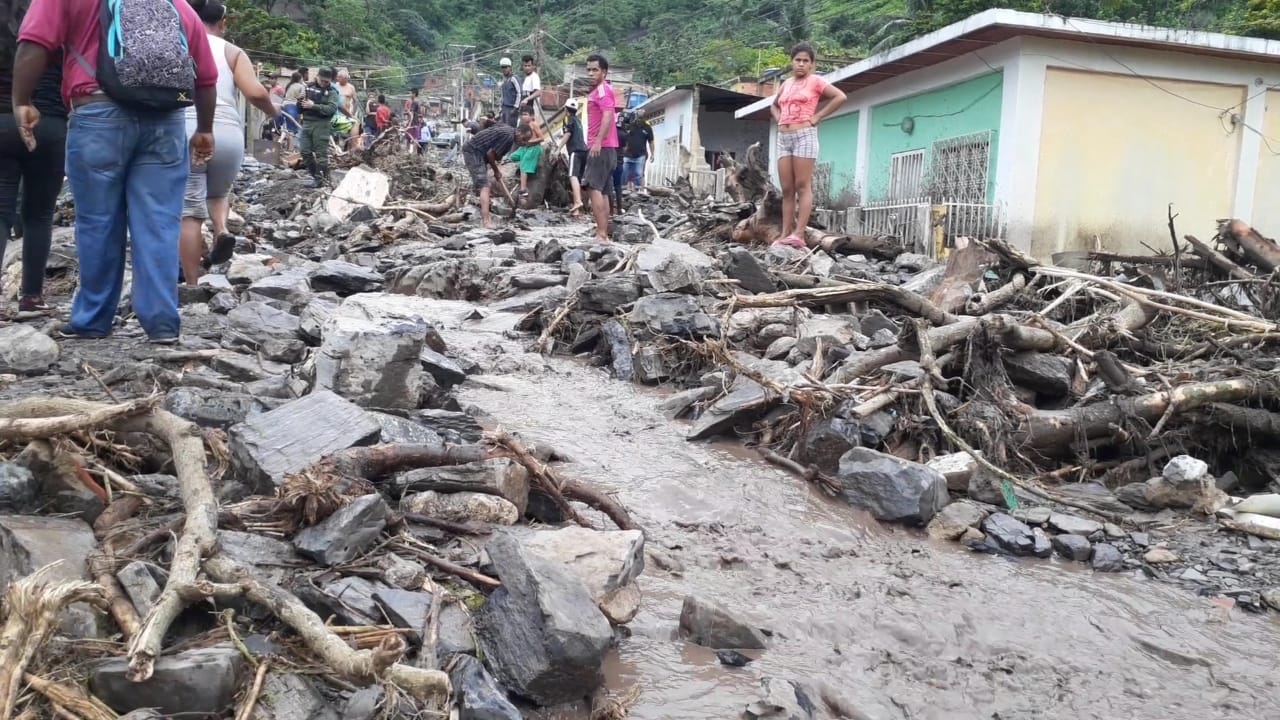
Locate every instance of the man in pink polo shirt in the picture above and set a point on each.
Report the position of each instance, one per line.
(127, 168)
(602, 143)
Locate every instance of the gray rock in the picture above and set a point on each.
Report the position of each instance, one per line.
(1097, 494)
(30, 542)
(1032, 515)
(349, 599)
(1193, 575)
(25, 350)
(470, 507)
(195, 682)
(673, 314)
(139, 585)
(446, 372)
(780, 700)
(708, 624)
(828, 440)
(316, 314)
(346, 533)
(1009, 534)
(288, 696)
(222, 303)
(957, 468)
(1042, 547)
(477, 695)
(455, 427)
(607, 562)
(206, 409)
(780, 348)
(364, 704)
(371, 352)
(261, 322)
(1045, 373)
(290, 287)
(954, 519)
(266, 447)
(246, 268)
(1184, 469)
(457, 634)
(680, 403)
(739, 264)
(143, 714)
(985, 487)
(345, 278)
(674, 275)
(833, 330)
(500, 476)
(746, 398)
(270, 558)
(19, 491)
(405, 609)
(618, 341)
(402, 431)
(608, 294)
(890, 488)
(926, 281)
(1106, 558)
(1073, 547)
(401, 573)
(874, 321)
(883, 339)
(1074, 525)
(541, 631)
(913, 262)
(247, 368)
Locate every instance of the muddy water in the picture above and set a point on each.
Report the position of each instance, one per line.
(890, 623)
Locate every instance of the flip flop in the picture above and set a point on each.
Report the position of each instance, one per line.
(792, 240)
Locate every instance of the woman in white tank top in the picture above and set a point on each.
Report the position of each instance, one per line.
(209, 185)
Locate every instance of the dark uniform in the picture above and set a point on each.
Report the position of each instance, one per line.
(317, 124)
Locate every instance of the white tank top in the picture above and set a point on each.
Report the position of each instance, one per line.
(228, 108)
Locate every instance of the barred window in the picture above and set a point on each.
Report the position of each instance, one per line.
(906, 175)
(959, 168)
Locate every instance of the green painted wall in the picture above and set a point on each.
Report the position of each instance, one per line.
(967, 107)
(838, 145)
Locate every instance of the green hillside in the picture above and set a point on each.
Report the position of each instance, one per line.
(665, 41)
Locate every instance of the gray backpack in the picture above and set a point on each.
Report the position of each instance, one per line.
(144, 62)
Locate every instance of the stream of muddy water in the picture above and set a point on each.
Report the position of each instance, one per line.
(881, 618)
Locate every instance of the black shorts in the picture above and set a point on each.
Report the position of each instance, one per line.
(599, 169)
(478, 168)
(577, 163)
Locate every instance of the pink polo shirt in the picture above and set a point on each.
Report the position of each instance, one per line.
(74, 25)
(600, 101)
(798, 101)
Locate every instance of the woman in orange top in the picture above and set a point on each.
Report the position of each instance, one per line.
(795, 109)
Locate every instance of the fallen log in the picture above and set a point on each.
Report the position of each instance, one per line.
(375, 461)
(850, 292)
(981, 304)
(34, 418)
(1222, 262)
(1240, 237)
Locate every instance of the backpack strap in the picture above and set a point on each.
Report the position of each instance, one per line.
(81, 61)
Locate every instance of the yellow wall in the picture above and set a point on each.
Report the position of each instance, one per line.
(1115, 151)
(1266, 195)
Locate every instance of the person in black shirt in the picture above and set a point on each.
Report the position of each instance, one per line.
(38, 169)
(576, 144)
(483, 152)
(639, 148)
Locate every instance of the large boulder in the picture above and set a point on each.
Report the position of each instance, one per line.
(199, 682)
(607, 562)
(541, 631)
(30, 542)
(711, 625)
(673, 314)
(25, 350)
(346, 533)
(371, 352)
(477, 695)
(955, 519)
(890, 488)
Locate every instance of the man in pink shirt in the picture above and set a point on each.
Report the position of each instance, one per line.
(127, 169)
(602, 143)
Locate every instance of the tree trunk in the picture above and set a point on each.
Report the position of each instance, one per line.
(1239, 236)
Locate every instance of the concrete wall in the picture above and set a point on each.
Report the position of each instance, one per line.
(676, 124)
(720, 132)
(1266, 193)
(963, 108)
(838, 145)
(1106, 178)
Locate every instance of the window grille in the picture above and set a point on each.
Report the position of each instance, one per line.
(906, 175)
(959, 168)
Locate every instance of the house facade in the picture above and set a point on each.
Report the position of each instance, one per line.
(1061, 133)
(693, 127)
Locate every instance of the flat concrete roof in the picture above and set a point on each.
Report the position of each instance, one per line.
(992, 27)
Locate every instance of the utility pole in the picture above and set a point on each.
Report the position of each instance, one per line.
(537, 38)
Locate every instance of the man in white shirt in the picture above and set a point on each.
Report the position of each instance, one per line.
(531, 88)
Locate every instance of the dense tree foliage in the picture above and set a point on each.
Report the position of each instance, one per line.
(666, 41)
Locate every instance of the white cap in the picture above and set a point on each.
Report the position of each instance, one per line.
(505, 62)
(571, 103)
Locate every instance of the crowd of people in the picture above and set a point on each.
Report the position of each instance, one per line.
(154, 105)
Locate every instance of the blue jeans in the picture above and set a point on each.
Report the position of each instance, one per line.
(127, 171)
(633, 171)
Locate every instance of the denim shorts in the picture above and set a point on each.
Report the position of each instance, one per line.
(798, 143)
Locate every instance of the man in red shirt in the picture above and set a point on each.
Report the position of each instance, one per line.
(602, 142)
(127, 169)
